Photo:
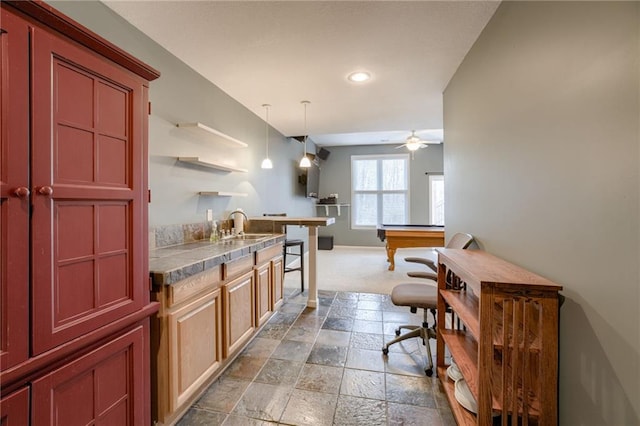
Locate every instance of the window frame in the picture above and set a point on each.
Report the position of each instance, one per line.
(380, 192)
(432, 178)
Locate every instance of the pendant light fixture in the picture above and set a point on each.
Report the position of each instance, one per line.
(266, 163)
(304, 162)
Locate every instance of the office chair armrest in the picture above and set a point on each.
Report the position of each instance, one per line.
(425, 275)
(429, 262)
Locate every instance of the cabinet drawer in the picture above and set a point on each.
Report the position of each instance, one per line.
(268, 253)
(185, 289)
(237, 267)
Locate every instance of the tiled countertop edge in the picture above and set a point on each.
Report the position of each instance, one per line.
(172, 264)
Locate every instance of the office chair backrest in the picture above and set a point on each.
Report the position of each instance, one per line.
(460, 241)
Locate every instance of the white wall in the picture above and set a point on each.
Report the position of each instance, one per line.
(542, 164)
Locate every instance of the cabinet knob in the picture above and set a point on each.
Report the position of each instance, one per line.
(21, 192)
(45, 190)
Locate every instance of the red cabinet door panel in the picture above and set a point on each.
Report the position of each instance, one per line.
(14, 409)
(14, 186)
(104, 387)
(89, 263)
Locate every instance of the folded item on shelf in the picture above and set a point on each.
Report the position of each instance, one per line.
(454, 372)
(464, 397)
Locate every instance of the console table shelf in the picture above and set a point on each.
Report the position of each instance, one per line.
(502, 334)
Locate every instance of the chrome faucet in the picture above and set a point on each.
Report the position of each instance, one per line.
(238, 211)
(241, 223)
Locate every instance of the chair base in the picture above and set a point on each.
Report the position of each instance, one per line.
(424, 332)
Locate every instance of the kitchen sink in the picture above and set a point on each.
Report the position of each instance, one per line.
(251, 236)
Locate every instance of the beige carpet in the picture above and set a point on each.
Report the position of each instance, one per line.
(359, 269)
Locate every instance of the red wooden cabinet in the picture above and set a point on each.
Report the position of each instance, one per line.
(105, 386)
(87, 191)
(14, 191)
(14, 408)
(74, 297)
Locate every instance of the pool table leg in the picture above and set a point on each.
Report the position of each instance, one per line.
(391, 253)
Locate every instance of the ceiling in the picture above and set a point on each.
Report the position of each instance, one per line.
(283, 52)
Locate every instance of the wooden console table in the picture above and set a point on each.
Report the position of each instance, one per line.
(500, 324)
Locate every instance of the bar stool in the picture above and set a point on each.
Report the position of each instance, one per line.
(292, 247)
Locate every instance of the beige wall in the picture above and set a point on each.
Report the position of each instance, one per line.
(542, 164)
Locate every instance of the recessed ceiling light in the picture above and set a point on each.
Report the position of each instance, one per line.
(359, 76)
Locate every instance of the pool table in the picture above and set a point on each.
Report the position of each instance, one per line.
(401, 236)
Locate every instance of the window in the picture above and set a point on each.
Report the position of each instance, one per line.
(379, 190)
(436, 199)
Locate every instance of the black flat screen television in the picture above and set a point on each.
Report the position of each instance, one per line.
(309, 179)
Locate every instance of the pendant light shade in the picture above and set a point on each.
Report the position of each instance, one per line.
(266, 163)
(305, 162)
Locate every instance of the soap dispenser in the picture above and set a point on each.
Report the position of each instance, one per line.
(214, 232)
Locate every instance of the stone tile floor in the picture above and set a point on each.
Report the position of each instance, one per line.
(325, 366)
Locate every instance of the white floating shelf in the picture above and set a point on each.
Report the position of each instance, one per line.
(206, 130)
(223, 193)
(326, 207)
(211, 165)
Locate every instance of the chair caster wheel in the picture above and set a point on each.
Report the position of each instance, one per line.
(428, 372)
(385, 351)
(397, 332)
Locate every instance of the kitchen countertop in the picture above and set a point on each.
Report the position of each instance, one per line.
(168, 265)
(302, 221)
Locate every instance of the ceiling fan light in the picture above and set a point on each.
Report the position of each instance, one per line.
(413, 146)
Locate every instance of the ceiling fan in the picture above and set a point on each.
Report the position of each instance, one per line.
(414, 143)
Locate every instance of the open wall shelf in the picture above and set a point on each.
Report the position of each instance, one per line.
(208, 131)
(211, 164)
(223, 194)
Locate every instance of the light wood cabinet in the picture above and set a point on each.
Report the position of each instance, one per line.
(204, 321)
(187, 342)
(277, 282)
(239, 311)
(263, 293)
(195, 345)
(500, 325)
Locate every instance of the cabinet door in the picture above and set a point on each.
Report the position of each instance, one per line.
(104, 387)
(89, 256)
(263, 293)
(14, 192)
(14, 409)
(277, 282)
(195, 346)
(239, 312)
